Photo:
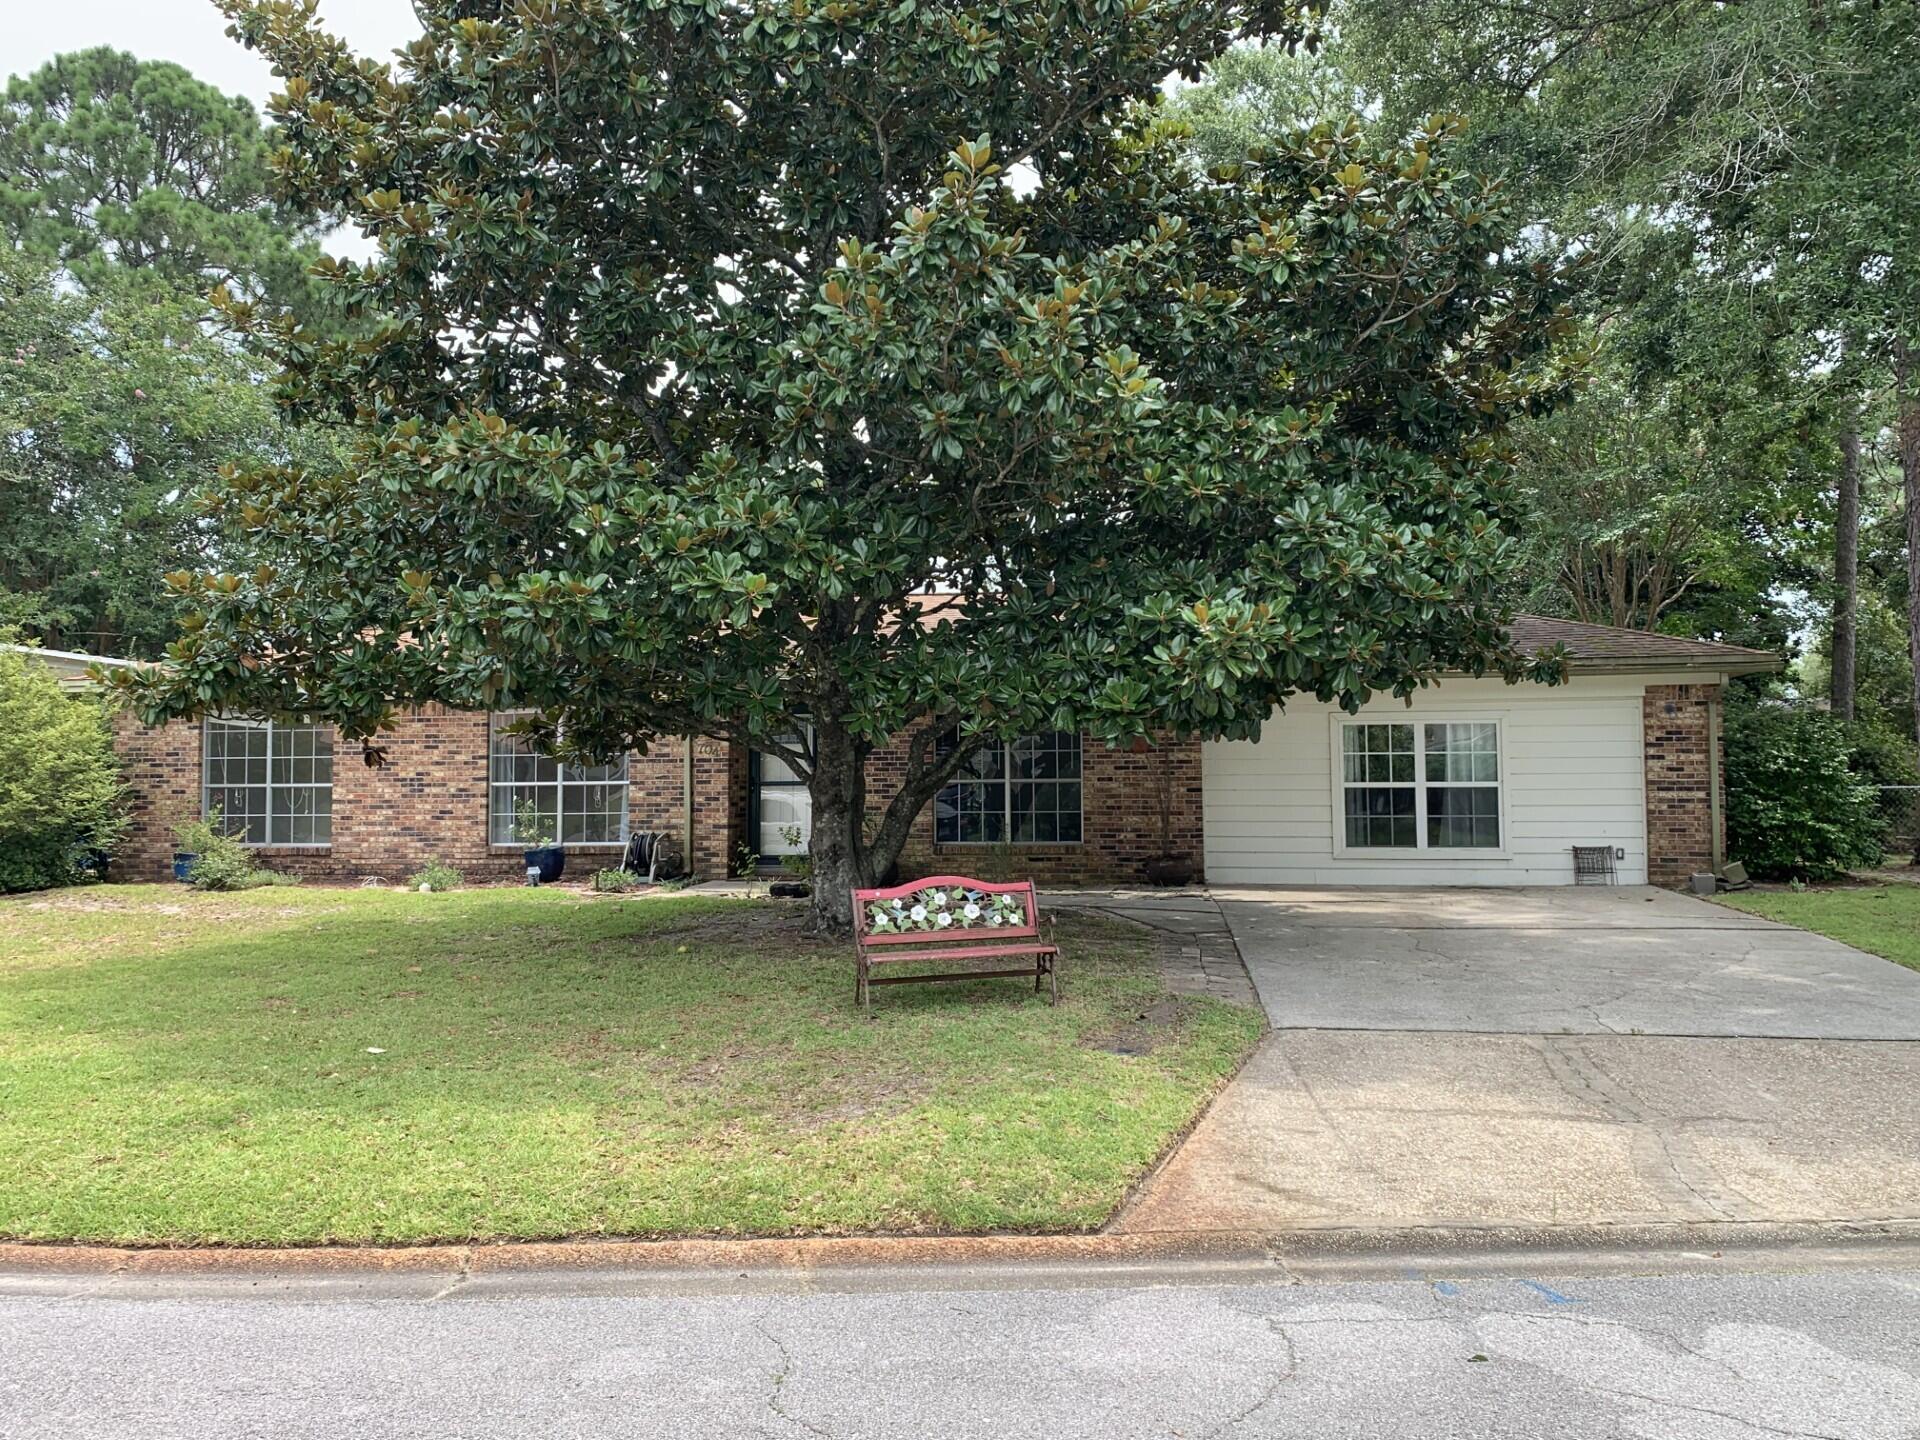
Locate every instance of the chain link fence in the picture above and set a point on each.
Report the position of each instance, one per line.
(1900, 814)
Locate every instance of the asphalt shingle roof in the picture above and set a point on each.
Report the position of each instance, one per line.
(1611, 645)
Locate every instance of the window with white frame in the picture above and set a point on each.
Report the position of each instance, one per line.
(1026, 791)
(1432, 785)
(271, 783)
(533, 795)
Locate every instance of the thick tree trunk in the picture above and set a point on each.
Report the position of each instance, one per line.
(835, 842)
(1846, 575)
(846, 852)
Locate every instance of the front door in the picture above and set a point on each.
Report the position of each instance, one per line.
(785, 809)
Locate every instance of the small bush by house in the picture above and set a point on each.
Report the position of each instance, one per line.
(61, 799)
(221, 862)
(436, 875)
(1796, 809)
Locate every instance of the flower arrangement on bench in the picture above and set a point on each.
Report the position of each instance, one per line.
(952, 918)
(945, 908)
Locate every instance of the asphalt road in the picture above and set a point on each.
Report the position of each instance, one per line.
(1676, 1357)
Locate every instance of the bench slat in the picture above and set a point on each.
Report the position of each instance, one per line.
(1021, 974)
(970, 953)
(985, 934)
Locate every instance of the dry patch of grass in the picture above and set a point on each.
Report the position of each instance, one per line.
(333, 1065)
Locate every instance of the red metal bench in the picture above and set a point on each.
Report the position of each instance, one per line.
(985, 922)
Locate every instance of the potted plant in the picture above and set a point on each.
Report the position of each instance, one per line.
(799, 867)
(190, 837)
(1168, 867)
(534, 831)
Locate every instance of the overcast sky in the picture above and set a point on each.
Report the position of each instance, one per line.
(188, 32)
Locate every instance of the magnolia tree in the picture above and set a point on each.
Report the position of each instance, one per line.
(705, 341)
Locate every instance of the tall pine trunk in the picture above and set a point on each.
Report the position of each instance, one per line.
(1907, 436)
(1846, 575)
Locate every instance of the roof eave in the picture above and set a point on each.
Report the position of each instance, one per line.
(1727, 665)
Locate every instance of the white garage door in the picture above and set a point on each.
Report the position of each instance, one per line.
(1476, 783)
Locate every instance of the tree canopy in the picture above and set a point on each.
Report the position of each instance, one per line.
(110, 162)
(705, 341)
(116, 404)
(1782, 138)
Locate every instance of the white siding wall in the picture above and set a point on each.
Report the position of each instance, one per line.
(1575, 774)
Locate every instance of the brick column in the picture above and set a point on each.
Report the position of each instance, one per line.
(1681, 772)
(162, 770)
(719, 807)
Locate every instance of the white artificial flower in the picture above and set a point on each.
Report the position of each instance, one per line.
(943, 919)
(940, 899)
(918, 914)
(993, 920)
(972, 911)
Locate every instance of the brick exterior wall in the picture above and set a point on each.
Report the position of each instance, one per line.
(161, 768)
(1681, 771)
(427, 802)
(1120, 793)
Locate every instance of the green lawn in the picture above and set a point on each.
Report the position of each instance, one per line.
(309, 1065)
(1884, 919)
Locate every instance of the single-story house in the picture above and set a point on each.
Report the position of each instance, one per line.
(1475, 782)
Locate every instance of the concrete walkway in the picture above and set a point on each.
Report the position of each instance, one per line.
(1543, 1058)
(1199, 956)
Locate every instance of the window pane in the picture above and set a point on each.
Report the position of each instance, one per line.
(1067, 803)
(1046, 812)
(1463, 752)
(1053, 755)
(610, 770)
(1377, 754)
(970, 812)
(593, 814)
(540, 801)
(1461, 816)
(1380, 817)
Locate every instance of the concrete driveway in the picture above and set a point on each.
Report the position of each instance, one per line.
(1562, 961)
(1597, 1057)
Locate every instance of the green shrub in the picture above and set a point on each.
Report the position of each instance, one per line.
(436, 875)
(1880, 754)
(60, 790)
(1795, 807)
(221, 862)
(614, 881)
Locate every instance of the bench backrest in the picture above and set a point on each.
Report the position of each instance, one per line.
(886, 917)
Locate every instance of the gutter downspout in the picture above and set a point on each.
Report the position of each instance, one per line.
(1715, 779)
(686, 806)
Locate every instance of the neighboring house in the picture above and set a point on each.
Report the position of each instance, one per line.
(1476, 782)
(70, 667)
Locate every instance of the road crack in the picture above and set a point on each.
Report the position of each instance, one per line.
(780, 1378)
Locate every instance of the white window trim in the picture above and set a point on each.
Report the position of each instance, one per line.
(1006, 785)
(1420, 850)
(207, 787)
(559, 784)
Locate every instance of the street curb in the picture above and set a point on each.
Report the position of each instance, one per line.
(664, 1255)
(617, 1267)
